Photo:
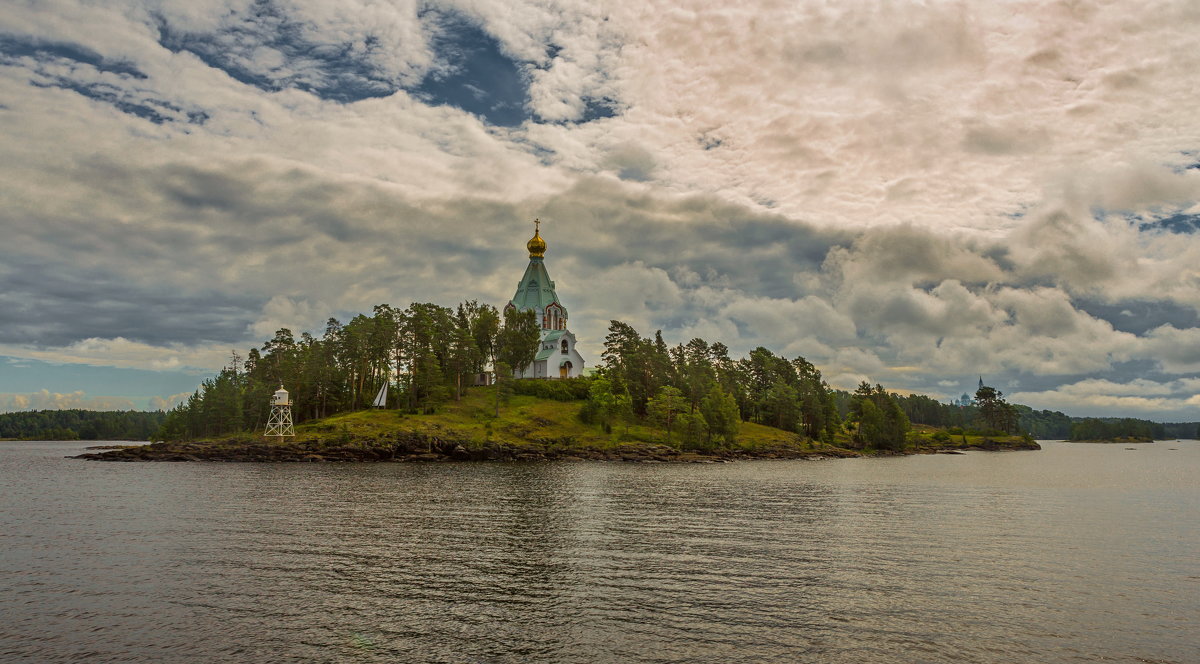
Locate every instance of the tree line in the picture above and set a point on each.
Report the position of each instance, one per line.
(77, 424)
(1094, 428)
(1040, 424)
(430, 354)
(426, 352)
(700, 395)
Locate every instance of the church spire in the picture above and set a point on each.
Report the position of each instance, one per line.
(536, 245)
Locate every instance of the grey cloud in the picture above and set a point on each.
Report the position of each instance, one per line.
(58, 303)
(995, 140)
(631, 162)
(1139, 316)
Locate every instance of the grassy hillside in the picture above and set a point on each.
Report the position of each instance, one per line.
(523, 421)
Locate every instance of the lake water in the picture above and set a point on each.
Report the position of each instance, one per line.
(1077, 553)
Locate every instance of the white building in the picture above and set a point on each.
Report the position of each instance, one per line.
(556, 357)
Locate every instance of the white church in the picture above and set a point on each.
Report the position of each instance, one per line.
(556, 357)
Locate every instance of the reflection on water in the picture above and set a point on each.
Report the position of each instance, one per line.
(1076, 553)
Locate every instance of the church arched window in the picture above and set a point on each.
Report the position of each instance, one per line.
(564, 346)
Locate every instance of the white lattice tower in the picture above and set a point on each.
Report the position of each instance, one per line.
(279, 424)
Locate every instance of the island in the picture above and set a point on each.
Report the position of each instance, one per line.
(529, 428)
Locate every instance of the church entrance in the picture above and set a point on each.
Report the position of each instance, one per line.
(565, 369)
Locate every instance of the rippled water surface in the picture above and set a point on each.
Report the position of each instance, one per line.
(1077, 553)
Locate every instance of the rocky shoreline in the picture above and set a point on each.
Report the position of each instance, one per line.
(413, 448)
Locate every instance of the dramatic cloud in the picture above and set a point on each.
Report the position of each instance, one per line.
(914, 194)
(1176, 399)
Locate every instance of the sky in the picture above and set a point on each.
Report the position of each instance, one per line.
(909, 193)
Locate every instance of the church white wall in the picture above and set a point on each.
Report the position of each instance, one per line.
(550, 367)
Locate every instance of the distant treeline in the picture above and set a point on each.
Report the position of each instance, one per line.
(81, 425)
(1094, 428)
(1041, 424)
(1181, 429)
(991, 414)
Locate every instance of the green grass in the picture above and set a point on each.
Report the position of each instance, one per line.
(543, 424)
(923, 435)
(524, 420)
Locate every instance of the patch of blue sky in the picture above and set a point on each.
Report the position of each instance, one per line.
(1193, 161)
(337, 72)
(1139, 316)
(598, 109)
(131, 101)
(154, 110)
(1179, 224)
(1176, 221)
(476, 75)
(13, 47)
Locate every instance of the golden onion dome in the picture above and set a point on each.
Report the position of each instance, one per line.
(536, 245)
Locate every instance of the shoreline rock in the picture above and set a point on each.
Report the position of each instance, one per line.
(418, 448)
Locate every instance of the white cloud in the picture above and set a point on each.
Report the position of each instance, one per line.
(46, 400)
(1172, 400)
(169, 402)
(295, 314)
(123, 353)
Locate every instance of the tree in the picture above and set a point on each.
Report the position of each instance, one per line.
(720, 413)
(997, 414)
(463, 358)
(517, 342)
(483, 321)
(607, 402)
(881, 422)
(666, 407)
(504, 384)
(693, 430)
(870, 424)
(779, 406)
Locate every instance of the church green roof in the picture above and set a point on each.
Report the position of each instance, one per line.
(536, 290)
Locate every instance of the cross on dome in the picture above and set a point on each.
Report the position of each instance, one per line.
(536, 245)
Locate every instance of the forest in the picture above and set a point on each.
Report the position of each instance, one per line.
(81, 425)
(430, 354)
(1095, 428)
(1041, 424)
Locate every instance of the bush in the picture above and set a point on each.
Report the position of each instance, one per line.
(568, 389)
(941, 436)
(590, 413)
